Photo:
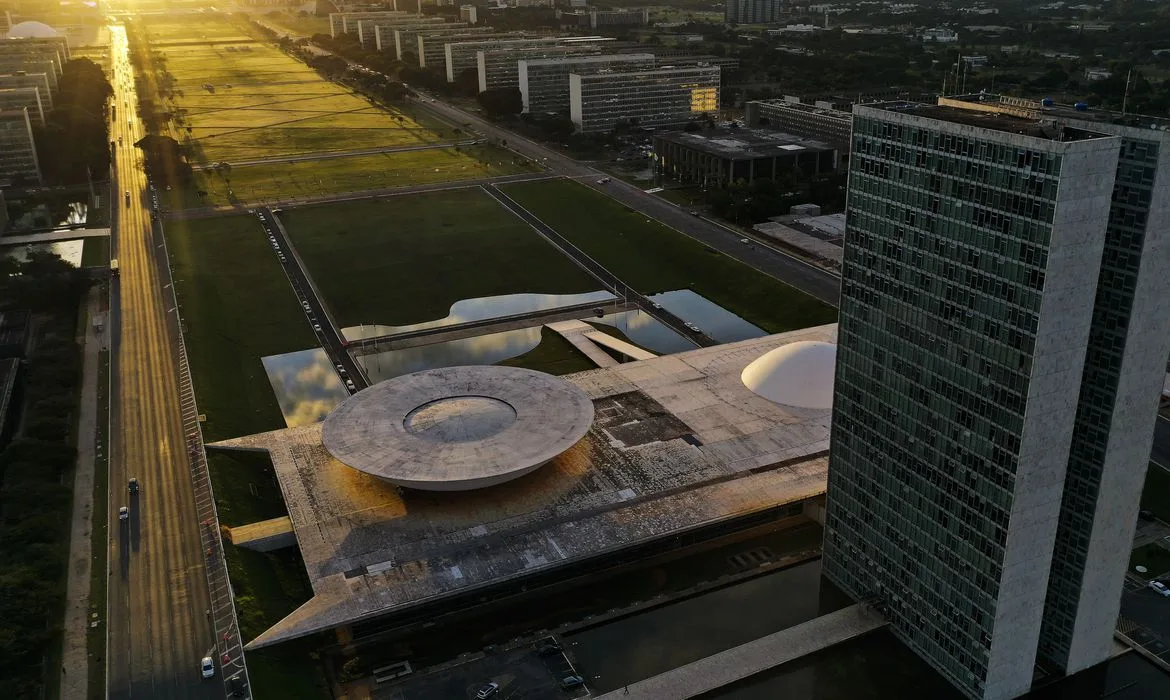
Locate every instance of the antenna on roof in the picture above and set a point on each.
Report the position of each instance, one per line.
(1125, 99)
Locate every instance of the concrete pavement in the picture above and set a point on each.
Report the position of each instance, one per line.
(52, 236)
(75, 659)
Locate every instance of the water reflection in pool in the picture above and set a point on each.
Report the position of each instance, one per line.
(482, 308)
(306, 385)
(645, 330)
(714, 320)
(481, 350)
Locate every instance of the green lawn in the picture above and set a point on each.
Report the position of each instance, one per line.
(277, 181)
(1154, 557)
(237, 307)
(269, 586)
(245, 487)
(554, 355)
(655, 258)
(407, 259)
(96, 252)
(1156, 493)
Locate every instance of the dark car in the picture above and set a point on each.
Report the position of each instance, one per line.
(569, 682)
(133, 484)
(547, 647)
(1147, 515)
(237, 686)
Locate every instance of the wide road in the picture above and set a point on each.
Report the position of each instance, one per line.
(157, 629)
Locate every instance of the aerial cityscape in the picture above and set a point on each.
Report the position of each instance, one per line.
(566, 349)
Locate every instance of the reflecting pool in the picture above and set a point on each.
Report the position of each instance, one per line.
(481, 308)
(306, 385)
(645, 330)
(480, 350)
(713, 319)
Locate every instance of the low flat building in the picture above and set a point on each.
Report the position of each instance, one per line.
(499, 68)
(27, 80)
(671, 446)
(469, 14)
(815, 121)
(45, 59)
(367, 28)
(544, 82)
(718, 157)
(655, 97)
(30, 97)
(18, 150)
(459, 56)
(346, 22)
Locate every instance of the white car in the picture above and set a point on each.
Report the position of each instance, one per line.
(207, 666)
(1159, 588)
(123, 513)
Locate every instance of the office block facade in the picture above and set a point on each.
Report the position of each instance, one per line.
(619, 18)
(544, 83)
(383, 30)
(24, 97)
(468, 13)
(407, 40)
(347, 22)
(46, 61)
(458, 56)
(649, 98)
(18, 151)
(367, 29)
(815, 122)
(27, 80)
(500, 68)
(978, 278)
(55, 47)
(755, 11)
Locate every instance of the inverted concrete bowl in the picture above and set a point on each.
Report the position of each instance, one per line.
(458, 428)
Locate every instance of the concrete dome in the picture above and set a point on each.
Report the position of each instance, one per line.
(798, 374)
(458, 428)
(31, 30)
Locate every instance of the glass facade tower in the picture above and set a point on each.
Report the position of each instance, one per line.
(970, 300)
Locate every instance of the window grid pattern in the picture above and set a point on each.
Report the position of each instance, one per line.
(945, 255)
(1124, 239)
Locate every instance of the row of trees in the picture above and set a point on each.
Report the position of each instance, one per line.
(35, 500)
(73, 144)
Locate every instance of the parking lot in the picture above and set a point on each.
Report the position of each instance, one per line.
(520, 672)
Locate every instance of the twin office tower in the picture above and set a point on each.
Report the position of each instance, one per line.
(1003, 339)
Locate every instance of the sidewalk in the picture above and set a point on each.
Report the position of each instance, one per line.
(77, 610)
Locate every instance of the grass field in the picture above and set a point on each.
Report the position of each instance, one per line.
(279, 181)
(655, 258)
(237, 307)
(245, 487)
(407, 259)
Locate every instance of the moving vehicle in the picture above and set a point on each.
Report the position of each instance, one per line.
(1159, 588)
(547, 647)
(207, 667)
(123, 513)
(133, 486)
(127, 196)
(113, 266)
(603, 181)
(488, 690)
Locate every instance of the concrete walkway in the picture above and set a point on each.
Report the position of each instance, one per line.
(53, 236)
(628, 349)
(574, 332)
(759, 655)
(77, 609)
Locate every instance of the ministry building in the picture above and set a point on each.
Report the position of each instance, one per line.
(647, 98)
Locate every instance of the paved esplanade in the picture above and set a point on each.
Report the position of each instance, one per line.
(458, 428)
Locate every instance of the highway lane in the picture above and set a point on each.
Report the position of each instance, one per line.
(156, 627)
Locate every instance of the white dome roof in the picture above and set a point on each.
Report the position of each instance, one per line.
(798, 374)
(30, 30)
